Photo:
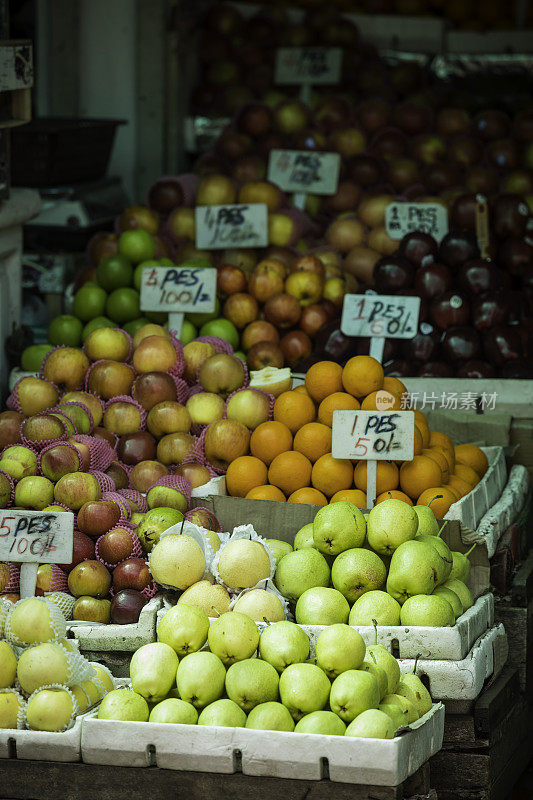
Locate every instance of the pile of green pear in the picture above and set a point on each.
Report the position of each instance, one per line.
(390, 567)
(205, 672)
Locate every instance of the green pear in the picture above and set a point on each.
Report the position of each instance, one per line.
(201, 678)
(154, 523)
(338, 527)
(413, 570)
(303, 688)
(461, 565)
(321, 606)
(270, 716)
(123, 704)
(369, 665)
(452, 598)
(398, 717)
(34, 492)
(223, 713)
(11, 705)
(153, 671)
(233, 637)
(177, 561)
(251, 682)
(462, 591)
(411, 687)
(325, 722)
(357, 571)
(390, 524)
(427, 610)
(8, 665)
(283, 643)
(405, 705)
(375, 605)
(371, 724)
(42, 665)
(49, 709)
(339, 648)
(445, 562)
(173, 710)
(304, 537)
(278, 548)
(301, 570)
(352, 693)
(427, 523)
(24, 456)
(386, 660)
(184, 628)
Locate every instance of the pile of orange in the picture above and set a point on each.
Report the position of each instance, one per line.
(290, 456)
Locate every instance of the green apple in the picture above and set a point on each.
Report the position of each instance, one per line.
(136, 245)
(304, 537)
(321, 606)
(89, 302)
(154, 523)
(49, 709)
(251, 682)
(461, 590)
(405, 705)
(375, 605)
(390, 524)
(65, 329)
(325, 722)
(278, 548)
(452, 598)
(398, 717)
(338, 649)
(411, 687)
(137, 273)
(188, 332)
(413, 570)
(200, 319)
(338, 527)
(303, 688)
(427, 523)
(282, 644)
(133, 326)
(153, 671)
(371, 724)
(8, 665)
(33, 356)
(174, 711)
(34, 492)
(200, 678)
(353, 692)
(224, 714)
(381, 656)
(94, 324)
(427, 610)
(24, 456)
(222, 328)
(270, 716)
(461, 565)
(124, 704)
(233, 637)
(301, 570)
(357, 571)
(184, 628)
(371, 666)
(445, 562)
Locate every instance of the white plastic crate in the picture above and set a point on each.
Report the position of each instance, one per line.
(42, 745)
(506, 509)
(97, 637)
(198, 748)
(469, 510)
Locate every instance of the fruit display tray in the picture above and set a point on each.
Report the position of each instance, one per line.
(42, 745)
(470, 510)
(506, 510)
(464, 679)
(304, 756)
(99, 637)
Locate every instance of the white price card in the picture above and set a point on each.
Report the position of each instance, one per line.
(219, 227)
(387, 316)
(311, 65)
(179, 289)
(382, 435)
(304, 171)
(39, 536)
(403, 218)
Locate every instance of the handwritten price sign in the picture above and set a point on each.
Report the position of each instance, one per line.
(218, 227)
(374, 435)
(180, 289)
(36, 536)
(300, 65)
(303, 171)
(403, 218)
(390, 317)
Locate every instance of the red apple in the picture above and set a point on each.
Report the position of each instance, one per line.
(196, 473)
(230, 279)
(264, 354)
(10, 422)
(258, 331)
(135, 447)
(266, 280)
(296, 346)
(127, 606)
(241, 309)
(283, 310)
(308, 263)
(83, 550)
(313, 318)
(151, 388)
(116, 545)
(97, 517)
(131, 574)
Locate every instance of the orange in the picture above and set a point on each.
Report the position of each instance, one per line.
(449, 455)
(269, 440)
(362, 375)
(436, 439)
(418, 441)
(382, 400)
(266, 492)
(456, 493)
(313, 440)
(301, 390)
(437, 455)
(394, 385)
(309, 496)
(243, 474)
(459, 485)
(439, 499)
(294, 409)
(355, 496)
(422, 425)
(338, 401)
(394, 494)
(290, 471)
(331, 475)
(323, 378)
(419, 474)
(467, 474)
(472, 456)
(386, 476)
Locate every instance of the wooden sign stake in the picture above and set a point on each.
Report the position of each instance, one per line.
(28, 579)
(175, 322)
(371, 481)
